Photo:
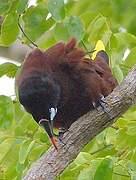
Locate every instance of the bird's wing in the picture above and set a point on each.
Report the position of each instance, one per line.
(61, 53)
(95, 74)
(101, 64)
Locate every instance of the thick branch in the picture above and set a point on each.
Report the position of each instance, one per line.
(83, 130)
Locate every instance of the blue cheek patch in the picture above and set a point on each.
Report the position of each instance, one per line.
(53, 112)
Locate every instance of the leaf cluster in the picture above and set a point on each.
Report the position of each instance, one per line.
(112, 154)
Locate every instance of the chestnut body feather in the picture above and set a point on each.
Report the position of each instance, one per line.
(62, 77)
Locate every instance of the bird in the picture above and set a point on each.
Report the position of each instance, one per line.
(60, 84)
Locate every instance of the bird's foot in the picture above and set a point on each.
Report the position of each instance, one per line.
(62, 130)
(103, 100)
(103, 104)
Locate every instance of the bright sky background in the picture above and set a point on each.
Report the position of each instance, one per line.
(32, 2)
(7, 84)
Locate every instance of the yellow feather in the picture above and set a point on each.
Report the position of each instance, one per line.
(99, 46)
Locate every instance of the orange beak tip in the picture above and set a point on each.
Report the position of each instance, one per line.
(54, 142)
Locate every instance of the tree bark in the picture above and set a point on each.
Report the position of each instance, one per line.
(52, 163)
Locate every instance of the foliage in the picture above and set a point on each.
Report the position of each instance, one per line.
(22, 141)
(8, 69)
(110, 155)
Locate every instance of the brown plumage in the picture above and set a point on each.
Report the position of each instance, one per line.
(59, 85)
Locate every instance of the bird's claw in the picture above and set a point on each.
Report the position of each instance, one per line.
(62, 130)
(103, 104)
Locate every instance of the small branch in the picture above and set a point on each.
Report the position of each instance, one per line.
(114, 127)
(124, 167)
(52, 163)
(101, 149)
(19, 25)
(124, 175)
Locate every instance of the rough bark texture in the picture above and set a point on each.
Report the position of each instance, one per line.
(52, 163)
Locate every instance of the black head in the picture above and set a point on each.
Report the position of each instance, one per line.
(39, 94)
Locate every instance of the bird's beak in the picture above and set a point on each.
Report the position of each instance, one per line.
(47, 126)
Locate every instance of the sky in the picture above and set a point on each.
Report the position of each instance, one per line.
(7, 84)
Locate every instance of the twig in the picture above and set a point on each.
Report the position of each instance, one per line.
(101, 149)
(24, 32)
(87, 52)
(125, 175)
(114, 127)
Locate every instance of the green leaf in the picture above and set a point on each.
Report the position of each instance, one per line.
(74, 27)
(130, 60)
(4, 6)
(25, 149)
(87, 17)
(117, 55)
(35, 21)
(83, 158)
(8, 69)
(71, 173)
(6, 111)
(23, 124)
(56, 8)
(5, 147)
(18, 111)
(37, 152)
(104, 170)
(131, 128)
(85, 174)
(128, 40)
(61, 32)
(120, 171)
(20, 168)
(119, 42)
(100, 138)
(81, 6)
(124, 140)
(110, 136)
(106, 37)
(22, 4)
(82, 171)
(130, 115)
(118, 73)
(11, 171)
(9, 29)
(42, 137)
(46, 40)
(132, 170)
(97, 30)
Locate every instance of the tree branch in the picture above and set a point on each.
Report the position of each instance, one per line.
(52, 163)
